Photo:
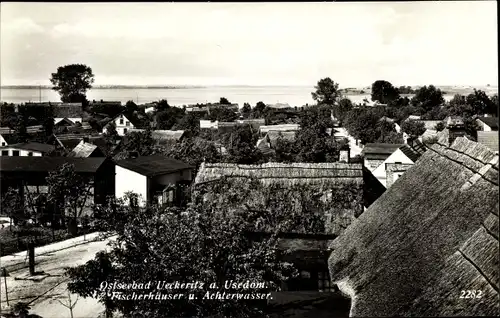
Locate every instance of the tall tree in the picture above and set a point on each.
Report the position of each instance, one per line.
(384, 92)
(222, 114)
(345, 105)
(72, 82)
(414, 128)
(480, 103)
(207, 243)
(246, 110)
(259, 111)
(428, 97)
(70, 192)
(162, 105)
(224, 101)
(327, 91)
(131, 107)
(240, 144)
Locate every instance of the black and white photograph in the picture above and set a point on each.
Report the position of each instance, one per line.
(249, 159)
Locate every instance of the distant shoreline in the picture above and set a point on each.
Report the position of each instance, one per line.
(104, 87)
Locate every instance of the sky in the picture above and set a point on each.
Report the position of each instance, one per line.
(406, 43)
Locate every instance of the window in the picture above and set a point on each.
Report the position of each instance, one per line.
(324, 284)
(124, 130)
(121, 121)
(5, 152)
(3, 143)
(127, 123)
(15, 153)
(30, 154)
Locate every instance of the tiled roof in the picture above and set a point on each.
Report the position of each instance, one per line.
(488, 138)
(47, 164)
(32, 146)
(380, 148)
(410, 153)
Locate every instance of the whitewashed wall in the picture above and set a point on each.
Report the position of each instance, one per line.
(121, 128)
(22, 152)
(3, 142)
(483, 126)
(130, 181)
(396, 156)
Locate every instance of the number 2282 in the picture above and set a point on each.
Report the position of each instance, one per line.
(471, 294)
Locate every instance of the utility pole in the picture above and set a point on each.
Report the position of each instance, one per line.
(40, 93)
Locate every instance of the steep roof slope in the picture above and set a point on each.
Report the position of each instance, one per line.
(431, 235)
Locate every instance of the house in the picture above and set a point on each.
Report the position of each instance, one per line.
(279, 105)
(205, 108)
(85, 149)
(307, 251)
(267, 144)
(69, 111)
(29, 149)
(29, 175)
(395, 165)
(413, 117)
(432, 233)
(6, 130)
(156, 179)
(374, 154)
(163, 136)
(255, 123)
(124, 123)
(198, 109)
(72, 112)
(284, 127)
(70, 141)
(487, 123)
(7, 139)
(208, 124)
(327, 177)
(489, 139)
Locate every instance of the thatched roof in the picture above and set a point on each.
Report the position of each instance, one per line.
(163, 135)
(431, 235)
(286, 174)
(489, 139)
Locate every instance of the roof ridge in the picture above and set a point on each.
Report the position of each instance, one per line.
(464, 165)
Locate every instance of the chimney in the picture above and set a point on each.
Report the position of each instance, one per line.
(456, 128)
(345, 154)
